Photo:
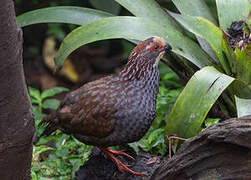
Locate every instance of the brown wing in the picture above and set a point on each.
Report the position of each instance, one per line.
(90, 110)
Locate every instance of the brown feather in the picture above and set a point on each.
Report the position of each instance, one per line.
(115, 109)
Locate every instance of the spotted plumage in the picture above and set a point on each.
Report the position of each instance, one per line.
(115, 109)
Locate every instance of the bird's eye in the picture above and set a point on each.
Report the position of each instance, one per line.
(156, 47)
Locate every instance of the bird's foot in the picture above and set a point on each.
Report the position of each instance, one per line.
(121, 167)
(119, 153)
(170, 143)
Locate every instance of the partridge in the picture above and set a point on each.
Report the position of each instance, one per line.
(114, 110)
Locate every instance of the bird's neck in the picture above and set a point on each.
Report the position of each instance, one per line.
(137, 69)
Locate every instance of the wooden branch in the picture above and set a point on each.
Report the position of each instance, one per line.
(222, 151)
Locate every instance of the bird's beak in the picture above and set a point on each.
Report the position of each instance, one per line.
(168, 47)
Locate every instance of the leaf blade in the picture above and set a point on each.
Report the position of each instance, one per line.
(131, 28)
(198, 8)
(106, 5)
(232, 10)
(193, 104)
(194, 8)
(243, 106)
(207, 30)
(243, 64)
(61, 14)
(51, 104)
(34, 93)
(149, 9)
(53, 91)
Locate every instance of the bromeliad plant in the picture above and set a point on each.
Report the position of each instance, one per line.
(200, 39)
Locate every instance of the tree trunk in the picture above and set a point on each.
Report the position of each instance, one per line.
(16, 121)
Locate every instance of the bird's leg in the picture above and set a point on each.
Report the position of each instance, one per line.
(120, 153)
(121, 167)
(170, 143)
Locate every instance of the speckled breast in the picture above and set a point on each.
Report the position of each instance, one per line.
(138, 116)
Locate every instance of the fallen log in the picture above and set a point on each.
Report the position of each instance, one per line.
(222, 151)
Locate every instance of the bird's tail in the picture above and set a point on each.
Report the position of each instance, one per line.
(51, 124)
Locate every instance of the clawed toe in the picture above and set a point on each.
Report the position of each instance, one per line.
(170, 143)
(121, 167)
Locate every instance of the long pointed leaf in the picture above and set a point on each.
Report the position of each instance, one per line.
(61, 14)
(231, 57)
(243, 106)
(52, 92)
(243, 64)
(106, 5)
(194, 8)
(232, 10)
(195, 101)
(131, 28)
(207, 30)
(149, 9)
(198, 8)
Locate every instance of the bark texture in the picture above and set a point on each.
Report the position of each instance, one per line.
(16, 121)
(222, 151)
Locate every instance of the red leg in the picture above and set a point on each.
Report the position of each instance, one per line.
(170, 143)
(120, 153)
(121, 167)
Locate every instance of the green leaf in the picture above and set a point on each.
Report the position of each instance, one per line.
(33, 175)
(243, 64)
(195, 101)
(76, 163)
(62, 14)
(131, 28)
(106, 5)
(212, 6)
(210, 121)
(51, 104)
(155, 135)
(243, 106)
(194, 8)
(63, 152)
(197, 8)
(34, 101)
(149, 9)
(207, 30)
(232, 10)
(135, 147)
(37, 114)
(240, 89)
(53, 91)
(228, 51)
(40, 149)
(34, 93)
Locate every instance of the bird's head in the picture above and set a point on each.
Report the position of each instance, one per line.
(151, 50)
(144, 57)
